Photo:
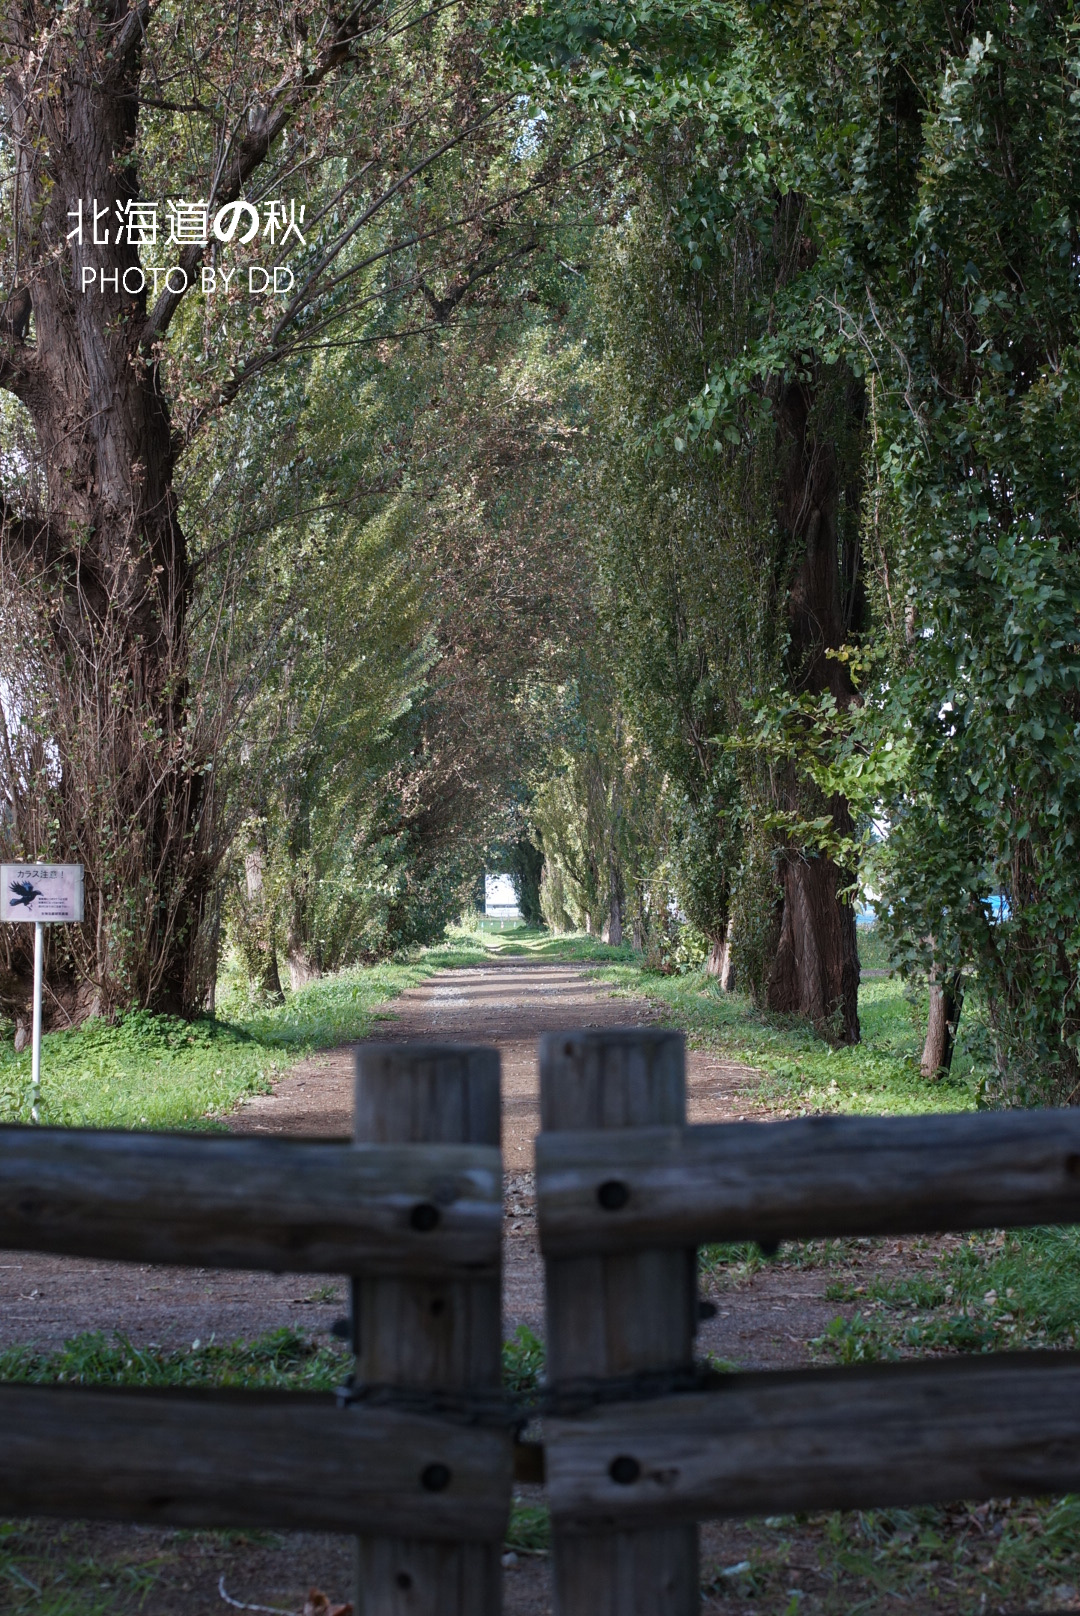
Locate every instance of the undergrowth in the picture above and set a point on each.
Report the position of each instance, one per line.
(523, 1363)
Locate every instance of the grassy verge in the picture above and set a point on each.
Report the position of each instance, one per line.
(160, 1072)
(534, 943)
(963, 1560)
(147, 1071)
(282, 1360)
(801, 1071)
(984, 1293)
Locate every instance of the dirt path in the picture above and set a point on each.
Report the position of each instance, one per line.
(509, 1002)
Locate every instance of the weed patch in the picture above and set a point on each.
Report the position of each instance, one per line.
(989, 1292)
(282, 1359)
(529, 1531)
(523, 1363)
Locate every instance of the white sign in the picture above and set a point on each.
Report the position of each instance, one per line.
(41, 892)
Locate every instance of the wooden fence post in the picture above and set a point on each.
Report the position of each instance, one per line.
(618, 1315)
(428, 1334)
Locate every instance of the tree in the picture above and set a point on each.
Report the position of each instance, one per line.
(380, 123)
(598, 810)
(944, 150)
(683, 95)
(684, 566)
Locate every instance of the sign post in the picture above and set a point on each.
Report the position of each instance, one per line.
(35, 1056)
(45, 894)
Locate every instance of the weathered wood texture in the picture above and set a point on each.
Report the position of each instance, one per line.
(814, 1177)
(284, 1205)
(441, 1333)
(620, 1314)
(287, 1460)
(856, 1438)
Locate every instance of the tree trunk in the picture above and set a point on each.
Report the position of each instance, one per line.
(816, 970)
(616, 887)
(720, 963)
(615, 903)
(815, 973)
(302, 969)
(106, 571)
(946, 1003)
(257, 939)
(305, 964)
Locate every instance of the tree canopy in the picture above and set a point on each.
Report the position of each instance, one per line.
(655, 471)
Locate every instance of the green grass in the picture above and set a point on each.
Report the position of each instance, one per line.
(873, 954)
(988, 1293)
(728, 1266)
(534, 942)
(65, 1583)
(38, 1575)
(961, 1560)
(148, 1071)
(523, 1363)
(282, 1360)
(529, 1531)
(801, 1071)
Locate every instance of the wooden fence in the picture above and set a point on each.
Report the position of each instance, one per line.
(418, 1457)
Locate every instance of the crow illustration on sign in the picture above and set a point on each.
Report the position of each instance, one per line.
(24, 892)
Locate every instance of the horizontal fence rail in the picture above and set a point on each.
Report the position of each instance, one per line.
(291, 1461)
(284, 1205)
(613, 1191)
(859, 1438)
(638, 1445)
